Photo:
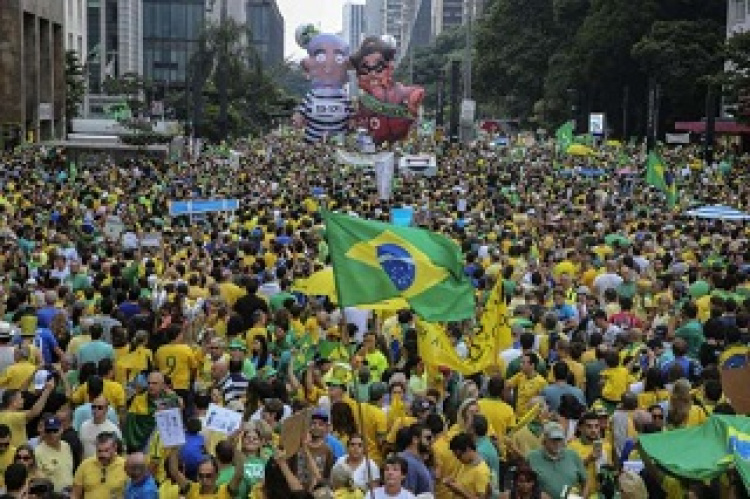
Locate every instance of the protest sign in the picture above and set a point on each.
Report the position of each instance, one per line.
(222, 420)
(293, 429)
(170, 426)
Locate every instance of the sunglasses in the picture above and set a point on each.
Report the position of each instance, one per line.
(98, 407)
(365, 68)
(205, 476)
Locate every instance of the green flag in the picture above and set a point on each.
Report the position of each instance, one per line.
(659, 177)
(564, 136)
(375, 261)
(724, 444)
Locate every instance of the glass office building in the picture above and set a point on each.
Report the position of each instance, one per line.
(171, 29)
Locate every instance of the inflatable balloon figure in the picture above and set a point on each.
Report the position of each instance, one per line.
(386, 108)
(326, 110)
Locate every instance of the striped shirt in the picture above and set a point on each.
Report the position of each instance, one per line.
(326, 112)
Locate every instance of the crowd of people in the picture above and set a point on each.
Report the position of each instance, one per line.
(623, 313)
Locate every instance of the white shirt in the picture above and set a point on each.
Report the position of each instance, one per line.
(359, 317)
(606, 281)
(510, 355)
(379, 493)
(359, 474)
(89, 432)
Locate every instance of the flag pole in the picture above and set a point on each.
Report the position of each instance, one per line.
(355, 378)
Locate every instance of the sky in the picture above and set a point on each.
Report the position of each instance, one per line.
(326, 14)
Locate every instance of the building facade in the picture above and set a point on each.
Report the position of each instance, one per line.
(393, 19)
(266, 26)
(374, 17)
(171, 33)
(114, 30)
(353, 24)
(738, 16)
(75, 27)
(32, 70)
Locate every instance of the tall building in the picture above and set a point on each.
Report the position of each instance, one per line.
(114, 31)
(374, 18)
(447, 14)
(32, 70)
(416, 26)
(353, 23)
(171, 30)
(738, 16)
(392, 19)
(75, 27)
(266, 26)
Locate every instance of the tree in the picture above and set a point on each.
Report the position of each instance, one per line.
(75, 87)
(133, 88)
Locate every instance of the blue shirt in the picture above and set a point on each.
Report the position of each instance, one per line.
(45, 315)
(192, 453)
(47, 343)
(418, 478)
(147, 489)
(335, 445)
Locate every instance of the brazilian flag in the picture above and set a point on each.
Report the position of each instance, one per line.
(375, 261)
(657, 176)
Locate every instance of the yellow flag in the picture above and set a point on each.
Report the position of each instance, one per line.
(436, 349)
(494, 319)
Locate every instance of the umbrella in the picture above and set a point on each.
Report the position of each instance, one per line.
(718, 212)
(579, 150)
(321, 283)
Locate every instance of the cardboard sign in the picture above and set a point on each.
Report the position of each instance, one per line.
(293, 429)
(170, 426)
(734, 382)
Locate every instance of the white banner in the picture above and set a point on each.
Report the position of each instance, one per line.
(418, 164)
(358, 159)
(384, 176)
(677, 138)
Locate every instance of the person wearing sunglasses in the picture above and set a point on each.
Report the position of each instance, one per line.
(98, 423)
(25, 455)
(102, 475)
(53, 456)
(208, 474)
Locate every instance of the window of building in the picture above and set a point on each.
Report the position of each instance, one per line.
(740, 10)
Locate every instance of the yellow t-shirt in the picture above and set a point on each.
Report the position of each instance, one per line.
(169, 490)
(526, 389)
(17, 376)
(16, 421)
(55, 464)
(76, 342)
(584, 451)
(100, 482)
(374, 428)
(6, 459)
(112, 391)
(615, 383)
(178, 362)
(473, 478)
(647, 399)
(499, 415)
(446, 464)
(195, 488)
(579, 373)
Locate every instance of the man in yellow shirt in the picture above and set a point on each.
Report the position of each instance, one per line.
(499, 414)
(54, 458)
(528, 383)
(18, 375)
(101, 476)
(472, 480)
(373, 422)
(177, 360)
(592, 450)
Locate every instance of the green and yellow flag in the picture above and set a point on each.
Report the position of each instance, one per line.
(494, 319)
(658, 176)
(435, 349)
(564, 136)
(375, 261)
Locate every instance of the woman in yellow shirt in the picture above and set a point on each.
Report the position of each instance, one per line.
(653, 389)
(683, 413)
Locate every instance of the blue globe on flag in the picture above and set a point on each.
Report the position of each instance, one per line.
(398, 264)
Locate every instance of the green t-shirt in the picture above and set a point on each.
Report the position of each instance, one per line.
(255, 470)
(555, 475)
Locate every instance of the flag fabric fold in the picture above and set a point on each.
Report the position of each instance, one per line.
(374, 261)
(658, 177)
(564, 136)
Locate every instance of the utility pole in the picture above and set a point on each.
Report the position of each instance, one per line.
(468, 48)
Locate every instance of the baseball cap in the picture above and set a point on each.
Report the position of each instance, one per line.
(554, 431)
(52, 423)
(319, 413)
(40, 378)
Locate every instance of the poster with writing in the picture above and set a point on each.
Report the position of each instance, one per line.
(223, 420)
(171, 429)
(293, 429)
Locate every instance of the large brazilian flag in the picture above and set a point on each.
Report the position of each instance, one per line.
(375, 261)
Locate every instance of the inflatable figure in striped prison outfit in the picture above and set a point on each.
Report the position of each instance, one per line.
(326, 110)
(386, 108)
